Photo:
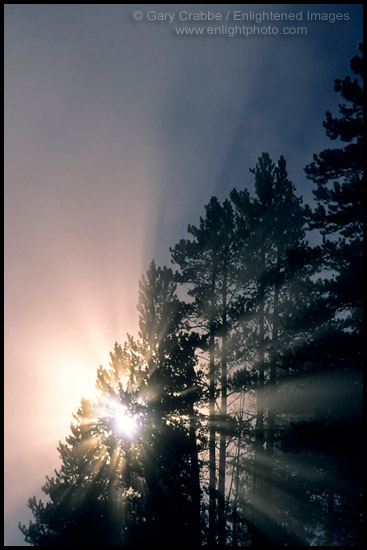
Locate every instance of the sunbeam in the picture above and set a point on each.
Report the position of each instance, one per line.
(124, 424)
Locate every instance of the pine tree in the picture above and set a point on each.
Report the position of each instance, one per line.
(337, 174)
(171, 466)
(206, 264)
(86, 500)
(272, 226)
(130, 473)
(280, 324)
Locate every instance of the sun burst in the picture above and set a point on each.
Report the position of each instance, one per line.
(124, 424)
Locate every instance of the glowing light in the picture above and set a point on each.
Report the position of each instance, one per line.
(124, 423)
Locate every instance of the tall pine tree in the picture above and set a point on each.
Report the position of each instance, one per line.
(206, 264)
(132, 452)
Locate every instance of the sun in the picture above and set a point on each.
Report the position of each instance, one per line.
(124, 423)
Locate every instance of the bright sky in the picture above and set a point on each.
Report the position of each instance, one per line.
(116, 135)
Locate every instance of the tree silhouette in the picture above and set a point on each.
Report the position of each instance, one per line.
(170, 459)
(265, 348)
(132, 452)
(339, 190)
(271, 227)
(339, 216)
(86, 500)
(206, 263)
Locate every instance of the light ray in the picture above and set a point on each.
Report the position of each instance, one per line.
(124, 424)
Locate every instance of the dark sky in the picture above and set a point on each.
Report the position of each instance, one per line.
(117, 132)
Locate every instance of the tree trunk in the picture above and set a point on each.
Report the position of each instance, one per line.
(195, 482)
(223, 427)
(237, 483)
(273, 376)
(269, 482)
(212, 423)
(212, 489)
(258, 479)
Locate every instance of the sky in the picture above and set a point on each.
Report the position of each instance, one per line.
(117, 133)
